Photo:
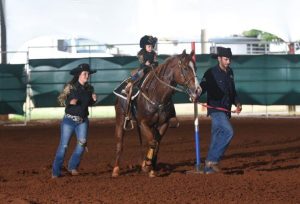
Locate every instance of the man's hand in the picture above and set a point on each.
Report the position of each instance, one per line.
(94, 96)
(238, 108)
(199, 91)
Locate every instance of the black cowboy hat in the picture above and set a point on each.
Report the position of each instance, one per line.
(222, 52)
(148, 40)
(80, 68)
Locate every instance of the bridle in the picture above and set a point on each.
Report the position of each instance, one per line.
(166, 84)
(186, 81)
(182, 74)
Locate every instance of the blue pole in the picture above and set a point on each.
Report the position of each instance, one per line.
(197, 140)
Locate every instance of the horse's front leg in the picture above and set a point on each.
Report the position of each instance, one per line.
(159, 133)
(153, 138)
(152, 147)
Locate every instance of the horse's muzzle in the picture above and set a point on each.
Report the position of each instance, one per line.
(195, 94)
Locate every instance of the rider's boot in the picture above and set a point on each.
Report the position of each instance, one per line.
(127, 88)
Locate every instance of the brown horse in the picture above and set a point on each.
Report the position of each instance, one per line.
(153, 104)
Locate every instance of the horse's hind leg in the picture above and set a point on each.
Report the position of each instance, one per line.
(119, 135)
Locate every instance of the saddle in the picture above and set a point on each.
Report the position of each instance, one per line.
(118, 90)
(134, 92)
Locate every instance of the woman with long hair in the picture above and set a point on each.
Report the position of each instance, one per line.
(77, 95)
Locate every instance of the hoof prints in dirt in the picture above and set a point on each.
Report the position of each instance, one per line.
(280, 168)
(2, 179)
(28, 172)
(235, 172)
(21, 201)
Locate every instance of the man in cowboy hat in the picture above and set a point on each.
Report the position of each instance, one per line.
(218, 82)
(77, 95)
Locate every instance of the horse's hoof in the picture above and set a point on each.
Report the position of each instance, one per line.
(116, 172)
(152, 174)
(146, 168)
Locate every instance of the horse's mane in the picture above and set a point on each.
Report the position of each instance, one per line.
(161, 68)
(165, 64)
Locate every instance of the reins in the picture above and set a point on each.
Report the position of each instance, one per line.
(166, 84)
(218, 108)
(170, 86)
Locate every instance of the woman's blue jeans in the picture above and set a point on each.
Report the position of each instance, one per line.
(68, 127)
(221, 135)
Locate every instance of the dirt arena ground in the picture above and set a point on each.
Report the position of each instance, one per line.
(262, 165)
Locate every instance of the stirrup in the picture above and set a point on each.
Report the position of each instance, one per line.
(128, 124)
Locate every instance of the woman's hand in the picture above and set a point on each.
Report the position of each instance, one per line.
(73, 101)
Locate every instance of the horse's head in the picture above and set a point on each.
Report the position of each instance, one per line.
(185, 74)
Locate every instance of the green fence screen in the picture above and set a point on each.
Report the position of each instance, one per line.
(12, 89)
(260, 80)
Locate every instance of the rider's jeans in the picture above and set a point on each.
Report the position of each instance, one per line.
(68, 126)
(221, 135)
(139, 74)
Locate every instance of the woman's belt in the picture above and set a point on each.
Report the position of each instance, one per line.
(75, 118)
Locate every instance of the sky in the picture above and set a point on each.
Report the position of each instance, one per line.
(126, 21)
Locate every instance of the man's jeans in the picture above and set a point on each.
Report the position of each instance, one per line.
(68, 126)
(221, 135)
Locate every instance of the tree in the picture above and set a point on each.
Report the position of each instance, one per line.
(262, 35)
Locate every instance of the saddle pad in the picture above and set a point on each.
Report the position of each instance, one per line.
(118, 90)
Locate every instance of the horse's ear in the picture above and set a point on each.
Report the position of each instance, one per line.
(192, 55)
(192, 52)
(183, 52)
